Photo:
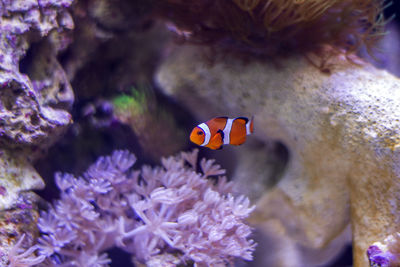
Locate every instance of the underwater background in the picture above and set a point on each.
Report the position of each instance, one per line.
(96, 96)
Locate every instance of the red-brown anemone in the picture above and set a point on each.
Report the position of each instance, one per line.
(269, 27)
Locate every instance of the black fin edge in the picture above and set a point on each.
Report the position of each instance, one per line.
(222, 134)
(222, 117)
(243, 118)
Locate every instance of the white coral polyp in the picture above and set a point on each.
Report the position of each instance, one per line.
(164, 195)
(211, 197)
(151, 213)
(187, 218)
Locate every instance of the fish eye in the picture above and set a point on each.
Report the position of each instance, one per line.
(200, 133)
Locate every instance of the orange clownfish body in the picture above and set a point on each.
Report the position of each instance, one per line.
(222, 131)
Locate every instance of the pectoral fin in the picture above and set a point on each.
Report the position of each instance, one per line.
(217, 140)
(220, 132)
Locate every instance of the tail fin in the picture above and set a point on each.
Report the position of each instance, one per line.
(250, 126)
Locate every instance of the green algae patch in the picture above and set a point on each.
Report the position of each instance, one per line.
(152, 122)
(134, 103)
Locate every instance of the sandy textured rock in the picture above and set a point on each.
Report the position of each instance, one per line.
(17, 175)
(342, 131)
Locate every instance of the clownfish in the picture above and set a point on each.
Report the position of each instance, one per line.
(222, 131)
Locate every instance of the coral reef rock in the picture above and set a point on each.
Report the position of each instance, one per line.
(21, 220)
(342, 132)
(34, 99)
(16, 175)
(33, 87)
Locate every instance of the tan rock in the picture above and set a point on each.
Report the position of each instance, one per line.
(342, 131)
(17, 176)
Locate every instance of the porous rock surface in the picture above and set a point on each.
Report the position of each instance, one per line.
(22, 218)
(29, 104)
(17, 175)
(35, 96)
(342, 131)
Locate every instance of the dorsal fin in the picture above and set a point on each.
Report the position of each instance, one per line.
(243, 120)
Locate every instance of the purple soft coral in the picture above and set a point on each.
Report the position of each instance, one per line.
(385, 253)
(163, 216)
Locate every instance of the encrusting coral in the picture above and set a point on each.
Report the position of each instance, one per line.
(170, 214)
(269, 26)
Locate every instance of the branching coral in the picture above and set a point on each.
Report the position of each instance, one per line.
(163, 214)
(267, 26)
